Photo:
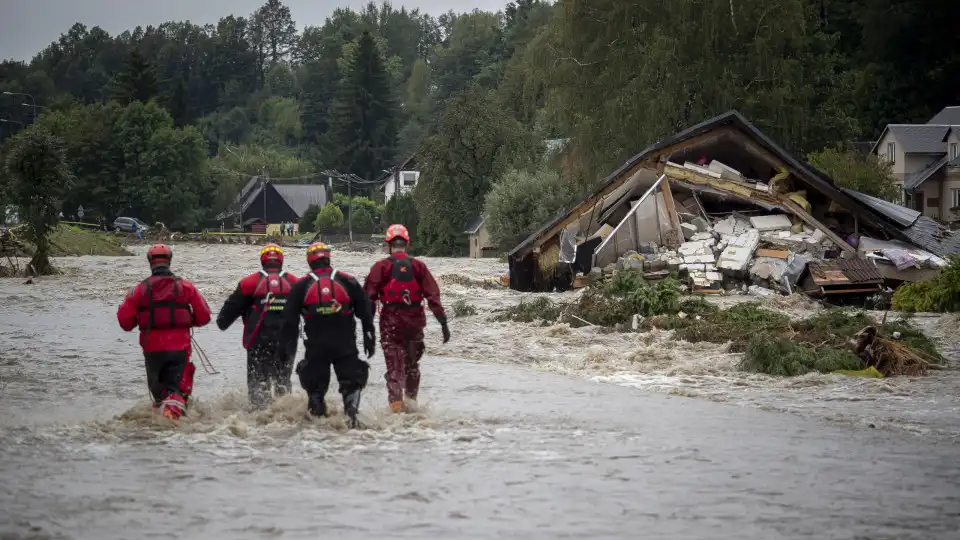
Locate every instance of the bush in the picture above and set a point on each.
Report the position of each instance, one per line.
(626, 295)
(851, 169)
(462, 309)
(308, 223)
(939, 295)
(330, 219)
(362, 221)
(521, 202)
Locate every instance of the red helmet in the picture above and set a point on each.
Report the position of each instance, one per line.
(271, 255)
(397, 231)
(317, 251)
(159, 253)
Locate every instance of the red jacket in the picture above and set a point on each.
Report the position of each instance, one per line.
(382, 272)
(190, 310)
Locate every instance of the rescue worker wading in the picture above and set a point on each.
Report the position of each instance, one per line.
(328, 301)
(401, 284)
(259, 299)
(165, 307)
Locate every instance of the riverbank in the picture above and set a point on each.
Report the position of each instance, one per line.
(71, 241)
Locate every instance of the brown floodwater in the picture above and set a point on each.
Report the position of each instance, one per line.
(525, 432)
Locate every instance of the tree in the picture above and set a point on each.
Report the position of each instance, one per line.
(308, 222)
(854, 170)
(330, 219)
(475, 142)
(137, 82)
(175, 185)
(364, 117)
(37, 178)
(362, 221)
(273, 34)
(521, 202)
(403, 210)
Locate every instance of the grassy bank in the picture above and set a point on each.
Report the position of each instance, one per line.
(70, 241)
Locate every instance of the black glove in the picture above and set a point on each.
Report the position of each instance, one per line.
(369, 342)
(444, 328)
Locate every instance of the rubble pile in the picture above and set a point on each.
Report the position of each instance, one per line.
(734, 253)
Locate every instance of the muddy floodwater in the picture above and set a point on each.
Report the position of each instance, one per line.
(525, 432)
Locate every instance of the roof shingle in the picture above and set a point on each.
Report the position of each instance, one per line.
(947, 116)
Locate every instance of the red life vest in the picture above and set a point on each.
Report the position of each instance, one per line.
(402, 287)
(271, 291)
(163, 305)
(269, 297)
(326, 297)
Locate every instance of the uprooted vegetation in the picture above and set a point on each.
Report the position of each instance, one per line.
(771, 342)
(462, 308)
(939, 295)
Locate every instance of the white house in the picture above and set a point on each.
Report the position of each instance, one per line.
(402, 180)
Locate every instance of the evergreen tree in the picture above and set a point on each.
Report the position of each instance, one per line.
(178, 104)
(137, 82)
(364, 115)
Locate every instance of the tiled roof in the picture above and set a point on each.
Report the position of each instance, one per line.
(474, 225)
(914, 180)
(920, 138)
(301, 196)
(948, 115)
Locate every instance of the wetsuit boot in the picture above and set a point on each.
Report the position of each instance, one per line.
(351, 406)
(315, 405)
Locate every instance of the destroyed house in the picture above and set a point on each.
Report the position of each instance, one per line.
(721, 172)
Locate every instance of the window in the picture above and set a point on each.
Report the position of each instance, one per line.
(892, 152)
(954, 150)
(955, 198)
(409, 179)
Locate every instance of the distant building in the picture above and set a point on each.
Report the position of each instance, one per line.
(273, 203)
(926, 162)
(401, 180)
(481, 243)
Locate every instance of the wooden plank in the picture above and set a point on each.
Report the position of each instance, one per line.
(776, 253)
(670, 204)
(811, 221)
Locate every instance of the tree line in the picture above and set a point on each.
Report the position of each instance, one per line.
(170, 121)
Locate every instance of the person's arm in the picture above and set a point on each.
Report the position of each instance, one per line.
(361, 302)
(362, 311)
(430, 290)
(291, 313)
(127, 313)
(234, 307)
(201, 311)
(374, 282)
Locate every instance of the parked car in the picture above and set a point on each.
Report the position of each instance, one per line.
(129, 225)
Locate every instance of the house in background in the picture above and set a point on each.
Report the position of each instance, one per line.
(400, 180)
(926, 162)
(481, 243)
(271, 204)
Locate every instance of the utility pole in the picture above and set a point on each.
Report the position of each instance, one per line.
(396, 180)
(263, 183)
(350, 215)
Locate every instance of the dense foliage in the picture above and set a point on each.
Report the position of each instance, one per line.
(472, 94)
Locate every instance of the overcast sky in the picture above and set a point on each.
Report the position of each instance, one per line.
(27, 26)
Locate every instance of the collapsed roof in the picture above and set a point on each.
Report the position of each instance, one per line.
(775, 179)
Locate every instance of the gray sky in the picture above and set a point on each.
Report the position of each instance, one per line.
(27, 26)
